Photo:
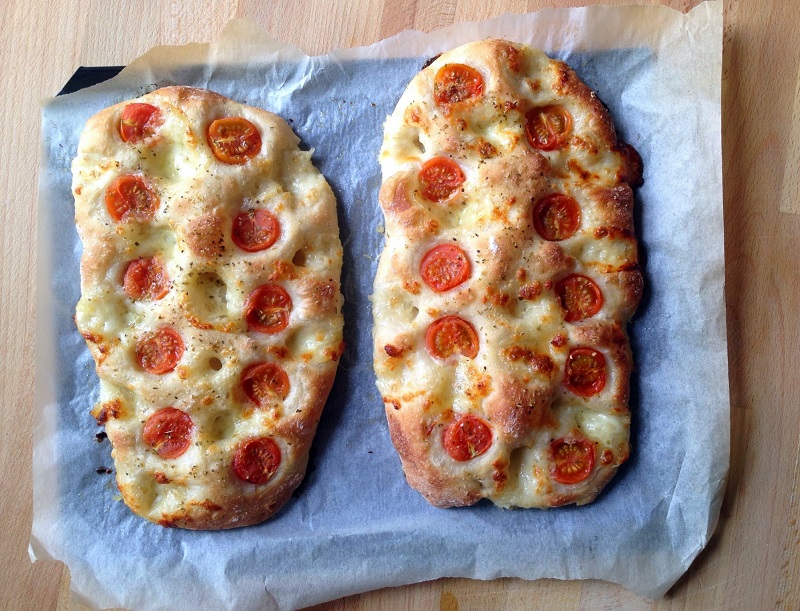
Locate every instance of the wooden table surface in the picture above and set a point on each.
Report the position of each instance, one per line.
(752, 561)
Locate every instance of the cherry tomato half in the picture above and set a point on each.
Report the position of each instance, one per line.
(467, 438)
(449, 335)
(579, 296)
(160, 351)
(440, 178)
(585, 373)
(262, 382)
(548, 127)
(556, 217)
(168, 432)
(267, 309)
(456, 83)
(146, 279)
(138, 122)
(444, 267)
(255, 230)
(131, 196)
(572, 460)
(234, 140)
(256, 460)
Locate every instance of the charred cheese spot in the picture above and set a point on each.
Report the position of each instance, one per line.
(486, 149)
(393, 402)
(512, 57)
(160, 478)
(500, 473)
(531, 291)
(412, 286)
(540, 363)
(109, 410)
(496, 298)
(334, 354)
(577, 171)
(559, 340)
(103, 348)
(393, 351)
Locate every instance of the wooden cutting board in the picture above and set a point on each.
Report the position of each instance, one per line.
(752, 562)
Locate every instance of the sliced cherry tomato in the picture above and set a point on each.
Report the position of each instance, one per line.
(131, 196)
(579, 296)
(449, 335)
(445, 267)
(548, 127)
(146, 279)
(234, 140)
(585, 373)
(267, 309)
(169, 432)
(456, 83)
(262, 382)
(440, 177)
(573, 460)
(255, 230)
(256, 460)
(556, 217)
(160, 351)
(138, 122)
(467, 438)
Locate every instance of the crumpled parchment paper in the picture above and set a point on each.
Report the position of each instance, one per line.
(355, 524)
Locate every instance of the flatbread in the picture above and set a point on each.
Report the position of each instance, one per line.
(509, 273)
(210, 301)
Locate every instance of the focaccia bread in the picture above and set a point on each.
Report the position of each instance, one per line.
(508, 275)
(210, 302)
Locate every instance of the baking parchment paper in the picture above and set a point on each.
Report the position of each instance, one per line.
(355, 524)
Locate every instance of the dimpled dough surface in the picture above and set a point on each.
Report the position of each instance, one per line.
(495, 413)
(209, 284)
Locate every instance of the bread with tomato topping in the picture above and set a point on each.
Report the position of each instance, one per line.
(210, 302)
(508, 275)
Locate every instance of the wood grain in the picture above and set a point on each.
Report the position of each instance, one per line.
(753, 560)
(790, 195)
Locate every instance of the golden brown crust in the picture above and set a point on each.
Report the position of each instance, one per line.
(210, 279)
(516, 382)
(399, 200)
(518, 408)
(205, 237)
(439, 490)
